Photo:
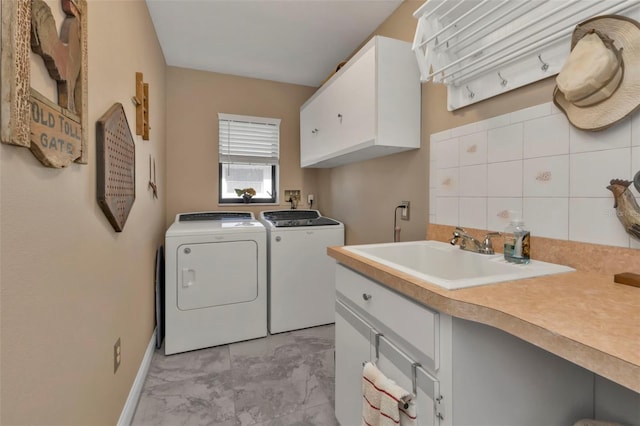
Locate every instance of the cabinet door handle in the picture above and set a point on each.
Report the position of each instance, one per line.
(366, 296)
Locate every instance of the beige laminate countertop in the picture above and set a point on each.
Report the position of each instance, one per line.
(583, 317)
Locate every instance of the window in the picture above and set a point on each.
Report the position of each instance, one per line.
(249, 149)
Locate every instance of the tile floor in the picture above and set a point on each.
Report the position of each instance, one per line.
(282, 380)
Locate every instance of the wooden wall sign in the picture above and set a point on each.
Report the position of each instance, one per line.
(142, 107)
(55, 131)
(116, 164)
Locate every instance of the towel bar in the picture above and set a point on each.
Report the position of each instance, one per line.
(414, 365)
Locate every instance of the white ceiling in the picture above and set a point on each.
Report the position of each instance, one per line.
(291, 41)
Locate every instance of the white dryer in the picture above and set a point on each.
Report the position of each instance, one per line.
(216, 280)
(301, 274)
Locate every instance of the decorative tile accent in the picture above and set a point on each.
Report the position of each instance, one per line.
(591, 172)
(500, 211)
(546, 177)
(505, 143)
(473, 149)
(447, 182)
(546, 136)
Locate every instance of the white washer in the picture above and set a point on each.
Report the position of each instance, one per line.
(301, 274)
(216, 280)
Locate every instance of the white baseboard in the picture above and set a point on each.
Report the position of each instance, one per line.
(129, 408)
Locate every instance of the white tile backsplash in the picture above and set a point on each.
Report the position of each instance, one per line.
(446, 154)
(473, 212)
(473, 181)
(535, 163)
(440, 136)
(505, 179)
(447, 210)
(546, 177)
(492, 123)
(505, 143)
(548, 216)
(635, 168)
(530, 113)
(594, 220)
(590, 172)
(618, 136)
(464, 130)
(433, 174)
(546, 136)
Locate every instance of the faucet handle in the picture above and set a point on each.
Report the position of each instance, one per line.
(487, 246)
(459, 231)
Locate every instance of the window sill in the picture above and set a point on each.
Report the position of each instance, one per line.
(249, 204)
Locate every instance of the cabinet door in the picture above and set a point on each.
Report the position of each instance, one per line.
(353, 348)
(310, 135)
(319, 126)
(397, 366)
(355, 112)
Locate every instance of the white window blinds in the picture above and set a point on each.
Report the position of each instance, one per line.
(248, 140)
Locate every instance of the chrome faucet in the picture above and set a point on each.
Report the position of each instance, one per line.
(469, 243)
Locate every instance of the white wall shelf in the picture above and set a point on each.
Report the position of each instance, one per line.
(482, 48)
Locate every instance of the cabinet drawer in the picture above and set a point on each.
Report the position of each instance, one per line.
(413, 326)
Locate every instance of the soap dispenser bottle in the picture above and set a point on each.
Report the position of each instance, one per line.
(517, 246)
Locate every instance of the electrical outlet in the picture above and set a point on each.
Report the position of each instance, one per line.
(404, 213)
(117, 355)
(310, 199)
(291, 195)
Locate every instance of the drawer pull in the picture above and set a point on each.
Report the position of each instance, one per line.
(366, 296)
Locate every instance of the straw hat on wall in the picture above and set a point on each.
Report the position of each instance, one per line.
(599, 83)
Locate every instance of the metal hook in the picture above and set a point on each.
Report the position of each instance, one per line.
(503, 82)
(545, 66)
(471, 94)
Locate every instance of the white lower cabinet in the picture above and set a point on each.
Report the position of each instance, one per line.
(360, 341)
(465, 373)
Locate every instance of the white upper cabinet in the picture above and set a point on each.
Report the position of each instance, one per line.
(370, 108)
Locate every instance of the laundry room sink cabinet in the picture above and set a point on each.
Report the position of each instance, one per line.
(461, 372)
(369, 108)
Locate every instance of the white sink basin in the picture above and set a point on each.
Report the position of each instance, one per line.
(450, 267)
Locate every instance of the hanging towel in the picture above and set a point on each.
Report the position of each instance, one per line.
(384, 402)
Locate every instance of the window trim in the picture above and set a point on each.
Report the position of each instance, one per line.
(274, 166)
